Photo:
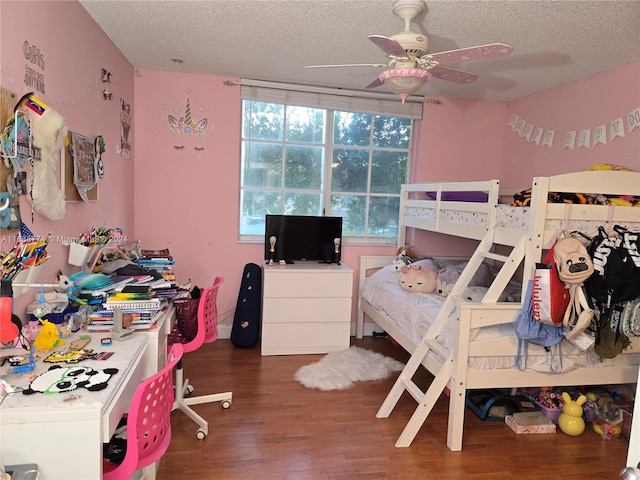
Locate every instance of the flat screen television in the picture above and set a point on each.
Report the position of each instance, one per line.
(302, 238)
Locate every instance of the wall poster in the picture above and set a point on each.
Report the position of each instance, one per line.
(84, 167)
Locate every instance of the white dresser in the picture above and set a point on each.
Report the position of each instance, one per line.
(306, 308)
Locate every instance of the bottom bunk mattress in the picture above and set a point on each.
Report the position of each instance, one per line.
(413, 314)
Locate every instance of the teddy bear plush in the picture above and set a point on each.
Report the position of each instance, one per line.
(418, 277)
(449, 275)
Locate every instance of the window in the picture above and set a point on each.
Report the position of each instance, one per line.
(309, 160)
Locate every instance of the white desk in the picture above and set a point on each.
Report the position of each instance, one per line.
(65, 438)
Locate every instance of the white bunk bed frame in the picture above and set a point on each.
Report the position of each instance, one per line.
(451, 369)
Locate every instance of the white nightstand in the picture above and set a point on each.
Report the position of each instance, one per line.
(306, 308)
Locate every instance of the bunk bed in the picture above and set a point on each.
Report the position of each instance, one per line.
(472, 345)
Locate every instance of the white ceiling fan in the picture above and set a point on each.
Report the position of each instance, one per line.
(410, 63)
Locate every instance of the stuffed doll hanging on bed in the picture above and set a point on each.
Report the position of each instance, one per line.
(574, 268)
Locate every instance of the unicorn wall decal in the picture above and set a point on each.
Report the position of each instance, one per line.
(187, 125)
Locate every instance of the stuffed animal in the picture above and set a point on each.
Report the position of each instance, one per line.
(408, 251)
(404, 256)
(401, 260)
(48, 336)
(418, 278)
(476, 294)
(449, 275)
(574, 267)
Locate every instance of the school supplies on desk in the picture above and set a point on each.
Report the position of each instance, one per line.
(23, 255)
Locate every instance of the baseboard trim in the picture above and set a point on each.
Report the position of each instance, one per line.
(224, 330)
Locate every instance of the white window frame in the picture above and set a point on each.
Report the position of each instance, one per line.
(374, 103)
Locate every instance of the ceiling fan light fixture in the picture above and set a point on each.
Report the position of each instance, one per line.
(405, 81)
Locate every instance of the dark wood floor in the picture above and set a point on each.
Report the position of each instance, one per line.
(277, 429)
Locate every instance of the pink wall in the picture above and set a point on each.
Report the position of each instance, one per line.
(75, 50)
(186, 199)
(584, 104)
(458, 140)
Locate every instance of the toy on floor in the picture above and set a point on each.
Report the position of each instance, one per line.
(571, 421)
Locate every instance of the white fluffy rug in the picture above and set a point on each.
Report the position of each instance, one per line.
(338, 370)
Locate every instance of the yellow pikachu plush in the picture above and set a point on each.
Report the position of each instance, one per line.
(48, 336)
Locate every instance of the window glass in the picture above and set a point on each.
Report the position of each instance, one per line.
(311, 161)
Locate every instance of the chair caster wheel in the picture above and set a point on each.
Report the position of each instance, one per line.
(201, 434)
(188, 390)
(226, 404)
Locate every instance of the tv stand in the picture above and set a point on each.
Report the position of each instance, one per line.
(306, 308)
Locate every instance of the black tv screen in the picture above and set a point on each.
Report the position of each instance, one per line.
(302, 238)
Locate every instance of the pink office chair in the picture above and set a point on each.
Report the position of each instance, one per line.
(148, 424)
(207, 332)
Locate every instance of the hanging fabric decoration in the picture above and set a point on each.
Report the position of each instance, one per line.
(48, 131)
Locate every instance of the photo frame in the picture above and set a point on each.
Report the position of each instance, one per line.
(84, 161)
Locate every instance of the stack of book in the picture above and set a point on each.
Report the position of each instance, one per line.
(160, 261)
(142, 309)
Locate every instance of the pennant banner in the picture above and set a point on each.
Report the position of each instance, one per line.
(574, 140)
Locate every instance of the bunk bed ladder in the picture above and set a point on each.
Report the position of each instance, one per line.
(429, 346)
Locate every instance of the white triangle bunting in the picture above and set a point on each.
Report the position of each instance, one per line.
(573, 140)
(569, 140)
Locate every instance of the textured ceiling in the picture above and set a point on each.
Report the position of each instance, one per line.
(554, 41)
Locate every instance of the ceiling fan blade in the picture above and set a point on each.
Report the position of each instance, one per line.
(389, 46)
(381, 65)
(453, 75)
(479, 52)
(376, 83)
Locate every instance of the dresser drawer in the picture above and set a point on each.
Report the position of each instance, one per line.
(332, 283)
(306, 310)
(298, 338)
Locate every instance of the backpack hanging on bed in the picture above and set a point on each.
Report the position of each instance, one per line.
(550, 297)
(528, 330)
(616, 280)
(630, 318)
(245, 331)
(616, 262)
(574, 269)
